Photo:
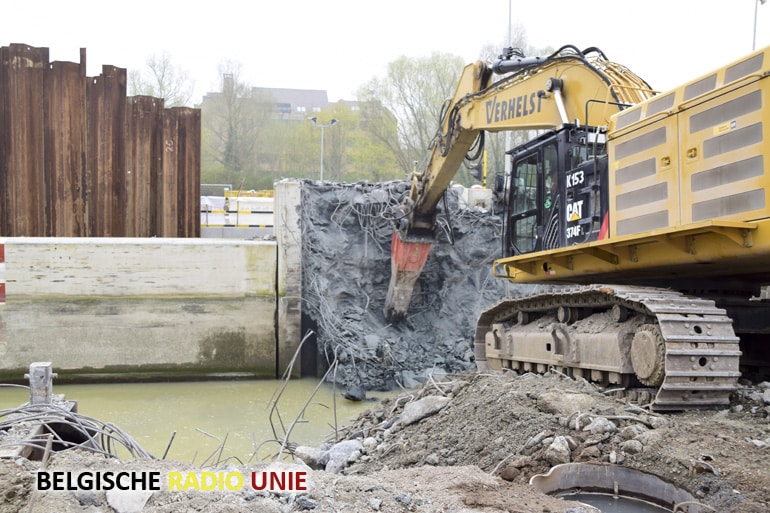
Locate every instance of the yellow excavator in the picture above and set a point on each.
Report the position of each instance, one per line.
(651, 211)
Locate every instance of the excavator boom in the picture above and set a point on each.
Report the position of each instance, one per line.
(533, 93)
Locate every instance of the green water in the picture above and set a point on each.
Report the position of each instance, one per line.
(200, 411)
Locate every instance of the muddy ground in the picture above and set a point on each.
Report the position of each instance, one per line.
(476, 453)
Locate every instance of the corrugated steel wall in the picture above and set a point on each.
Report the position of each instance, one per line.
(78, 158)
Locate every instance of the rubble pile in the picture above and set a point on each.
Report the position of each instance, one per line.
(515, 426)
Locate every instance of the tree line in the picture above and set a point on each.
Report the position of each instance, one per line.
(382, 136)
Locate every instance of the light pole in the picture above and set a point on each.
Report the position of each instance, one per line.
(756, 8)
(315, 122)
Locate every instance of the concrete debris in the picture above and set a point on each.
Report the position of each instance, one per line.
(127, 501)
(311, 456)
(425, 407)
(304, 504)
(87, 497)
(355, 393)
(632, 447)
(534, 442)
(600, 425)
(347, 232)
(632, 431)
(330, 458)
(342, 453)
(559, 451)
(564, 404)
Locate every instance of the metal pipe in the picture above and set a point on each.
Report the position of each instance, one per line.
(756, 8)
(502, 66)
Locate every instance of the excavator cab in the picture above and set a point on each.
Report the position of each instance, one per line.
(555, 198)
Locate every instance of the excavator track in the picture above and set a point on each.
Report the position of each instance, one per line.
(679, 351)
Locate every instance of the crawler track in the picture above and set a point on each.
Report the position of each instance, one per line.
(682, 349)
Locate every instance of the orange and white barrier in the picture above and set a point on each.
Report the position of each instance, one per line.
(249, 212)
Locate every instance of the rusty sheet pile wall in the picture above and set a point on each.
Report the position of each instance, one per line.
(78, 158)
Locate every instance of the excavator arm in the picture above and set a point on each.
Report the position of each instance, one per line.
(533, 93)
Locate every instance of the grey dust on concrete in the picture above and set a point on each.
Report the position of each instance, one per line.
(347, 231)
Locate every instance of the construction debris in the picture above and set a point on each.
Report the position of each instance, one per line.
(347, 231)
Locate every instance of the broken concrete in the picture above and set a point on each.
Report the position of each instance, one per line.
(347, 231)
(425, 407)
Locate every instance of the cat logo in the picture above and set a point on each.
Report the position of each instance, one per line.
(574, 211)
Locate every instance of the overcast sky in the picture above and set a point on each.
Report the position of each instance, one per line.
(338, 45)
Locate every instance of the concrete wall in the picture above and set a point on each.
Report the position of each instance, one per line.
(158, 308)
(288, 234)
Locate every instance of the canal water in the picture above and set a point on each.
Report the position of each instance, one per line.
(203, 414)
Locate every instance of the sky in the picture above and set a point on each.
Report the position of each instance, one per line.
(339, 45)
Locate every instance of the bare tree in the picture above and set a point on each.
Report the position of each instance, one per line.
(403, 109)
(162, 79)
(232, 121)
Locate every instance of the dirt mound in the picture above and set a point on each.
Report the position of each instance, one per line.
(518, 426)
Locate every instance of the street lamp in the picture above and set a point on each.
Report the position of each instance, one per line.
(315, 122)
(756, 7)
